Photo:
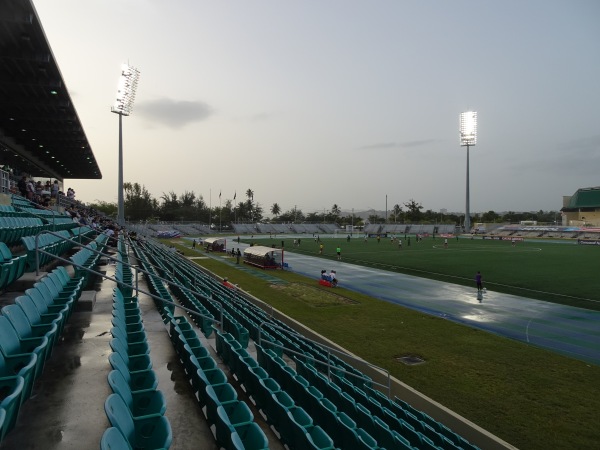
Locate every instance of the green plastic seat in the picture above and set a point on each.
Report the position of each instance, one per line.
(238, 355)
(312, 398)
(401, 443)
(113, 439)
(146, 433)
(66, 280)
(146, 403)
(11, 398)
(249, 437)
(366, 440)
(212, 377)
(129, 319)
(11, 345)
(344, 434)
(230, 417)
(35, 317)
(11, 268)
(21, 365)
(133, 362)
(52, 297)
(120, 344)
(243, 367)
(267, 387)
(120, 298)
(119, 322)
(300, 422)
(134, 337)
(43, 302)
(2, 419)
(215, 396)
(25, 329)
(318, 439)
(138, 380)
(364, 419)
(64, 291)
(382, 434)
(277, 408)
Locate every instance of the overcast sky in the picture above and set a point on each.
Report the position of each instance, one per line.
(311, 103)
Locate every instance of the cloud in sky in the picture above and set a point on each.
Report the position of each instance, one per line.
(578, 155)
(388, 145)
(259, 117)
(174, 113)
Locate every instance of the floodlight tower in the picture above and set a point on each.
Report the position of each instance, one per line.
(123, 107)
(468, 137)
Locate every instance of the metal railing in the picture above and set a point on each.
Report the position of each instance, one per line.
(135, 287)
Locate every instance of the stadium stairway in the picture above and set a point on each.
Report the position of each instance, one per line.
(66, 408)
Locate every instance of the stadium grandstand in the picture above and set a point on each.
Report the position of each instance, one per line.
(582, 208)
(109, 339)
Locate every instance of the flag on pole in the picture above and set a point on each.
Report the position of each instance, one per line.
(234, 195)
(219, 194)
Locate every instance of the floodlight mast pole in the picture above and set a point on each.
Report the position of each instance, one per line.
(121, 203)
(467, 202)
(468, 137)
(123, 107)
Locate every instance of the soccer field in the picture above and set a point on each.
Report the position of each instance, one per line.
(555, 271)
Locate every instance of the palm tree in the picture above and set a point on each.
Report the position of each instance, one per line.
(335, 210)
(275, 209)
(250, 195)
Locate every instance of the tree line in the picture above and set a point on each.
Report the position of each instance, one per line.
(140, 205)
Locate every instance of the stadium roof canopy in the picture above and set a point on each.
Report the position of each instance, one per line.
(40, 132)
(584, 198)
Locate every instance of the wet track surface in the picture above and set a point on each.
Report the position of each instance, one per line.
(571, 331)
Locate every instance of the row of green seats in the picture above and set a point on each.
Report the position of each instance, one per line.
(11, 267)
(29, 329)
(234, 422)
(54, 244)
(12, 229)
(136, 408)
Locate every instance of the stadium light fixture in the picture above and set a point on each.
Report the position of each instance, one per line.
(468, 138)
(123, 107)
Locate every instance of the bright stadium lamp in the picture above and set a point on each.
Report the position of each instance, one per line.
(123, 107)
(468, 137)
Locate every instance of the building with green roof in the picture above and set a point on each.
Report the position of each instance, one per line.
(582, 208)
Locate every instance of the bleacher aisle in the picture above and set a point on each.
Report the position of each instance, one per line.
(66, 408)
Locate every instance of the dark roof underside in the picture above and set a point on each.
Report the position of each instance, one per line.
(40, 132)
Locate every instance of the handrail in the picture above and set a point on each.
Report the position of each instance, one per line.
(136, 268)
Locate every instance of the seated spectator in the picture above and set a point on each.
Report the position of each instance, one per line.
(333, 278)
(226, 283)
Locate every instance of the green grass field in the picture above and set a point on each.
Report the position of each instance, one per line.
(530, 397)
(564, 273)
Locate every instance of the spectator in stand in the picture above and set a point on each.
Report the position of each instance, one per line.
(22, 185)
(54, 189)
(30, 189)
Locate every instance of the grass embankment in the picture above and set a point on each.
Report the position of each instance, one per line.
(532, 398)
